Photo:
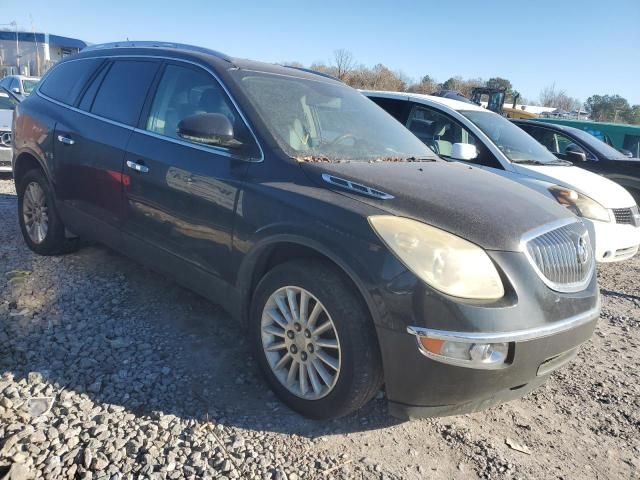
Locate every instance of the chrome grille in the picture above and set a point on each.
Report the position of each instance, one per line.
(626, 215)
(562, 257)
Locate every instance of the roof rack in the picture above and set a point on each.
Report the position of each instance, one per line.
(315, 72)
(154, 44)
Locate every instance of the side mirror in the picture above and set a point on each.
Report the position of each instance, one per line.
(626, 153)
(208, 128)
(16, 90)
(575, 154)
(463, 151)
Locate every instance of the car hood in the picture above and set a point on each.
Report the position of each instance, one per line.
(604, 191)
(6, 117)
(479, 206)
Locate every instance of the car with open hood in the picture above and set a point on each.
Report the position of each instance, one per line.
(354, 257)
(476, 136)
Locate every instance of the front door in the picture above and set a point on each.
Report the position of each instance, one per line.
(181, 195)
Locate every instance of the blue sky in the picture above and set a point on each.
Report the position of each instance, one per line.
(584, 46)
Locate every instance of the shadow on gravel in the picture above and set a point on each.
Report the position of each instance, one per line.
(99, 324)
(613, 293)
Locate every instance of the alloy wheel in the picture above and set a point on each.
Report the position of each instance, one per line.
(301, 343)
(35, 212)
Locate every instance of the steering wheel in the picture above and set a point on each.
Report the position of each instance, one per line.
(340, 138)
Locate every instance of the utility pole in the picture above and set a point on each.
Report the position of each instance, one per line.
(17, 46)
(35, 40)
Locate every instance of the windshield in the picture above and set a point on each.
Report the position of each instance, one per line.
(517, 145)
(598, 145)
(315, 120)
(7, 102)
(29, 85)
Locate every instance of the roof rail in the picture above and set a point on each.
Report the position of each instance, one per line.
(315, 72)
(154, 44)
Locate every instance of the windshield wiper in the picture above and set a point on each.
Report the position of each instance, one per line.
(529, 162)
(404, 159)
(564, 163)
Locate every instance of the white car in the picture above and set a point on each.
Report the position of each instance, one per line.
(19, 84)
(466, 132)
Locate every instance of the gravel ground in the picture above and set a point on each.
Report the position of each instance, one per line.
(111, 371)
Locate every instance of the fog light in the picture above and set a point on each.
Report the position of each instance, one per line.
(478, 355)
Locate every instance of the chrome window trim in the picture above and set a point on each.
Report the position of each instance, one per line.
(549, 227)
(528, 334)
(219, 151)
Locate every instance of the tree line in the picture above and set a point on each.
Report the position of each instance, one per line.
(343, 65)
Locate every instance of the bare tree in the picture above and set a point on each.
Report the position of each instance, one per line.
(550, 96)
(344, 62)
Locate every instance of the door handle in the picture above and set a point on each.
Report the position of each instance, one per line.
(137, 167)
(66, 140)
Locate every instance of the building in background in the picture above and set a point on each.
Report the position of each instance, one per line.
(32, 53)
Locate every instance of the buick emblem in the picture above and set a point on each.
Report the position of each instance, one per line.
(5, 139)
(582, 251)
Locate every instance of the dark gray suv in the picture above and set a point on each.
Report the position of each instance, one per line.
(353, 255)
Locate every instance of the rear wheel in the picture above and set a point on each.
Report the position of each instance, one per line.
(41, 226)
(314, 339)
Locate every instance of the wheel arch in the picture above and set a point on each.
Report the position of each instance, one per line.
(25, 161)
(282, 248)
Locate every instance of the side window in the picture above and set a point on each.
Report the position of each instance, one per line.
(545, 137)
(185, 91)
(124, 90)
(90, 93)
(632, 143)
(65, 82)
(396, 108)
(439, 132)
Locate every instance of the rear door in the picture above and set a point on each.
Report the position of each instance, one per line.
(181, 195)
(90, 143)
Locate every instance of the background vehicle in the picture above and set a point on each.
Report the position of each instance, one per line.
(587, 152)
(301, 207)
(495, 102)
(625, 138)
(8, 103)
(19, 84)
(464, 132)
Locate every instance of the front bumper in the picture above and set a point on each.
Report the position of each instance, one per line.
(614, 241)
(438, 389)
(5, 159)
(543, 328)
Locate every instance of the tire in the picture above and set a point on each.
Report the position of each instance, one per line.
(52, 241)
(360, 373)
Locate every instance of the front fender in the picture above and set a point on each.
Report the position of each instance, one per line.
(352, 265)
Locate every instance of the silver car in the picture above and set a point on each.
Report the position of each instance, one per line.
(8, 103)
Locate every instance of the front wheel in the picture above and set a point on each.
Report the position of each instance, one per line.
(314, 340)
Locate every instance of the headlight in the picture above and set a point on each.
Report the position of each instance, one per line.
(580, 204)
(446, 262)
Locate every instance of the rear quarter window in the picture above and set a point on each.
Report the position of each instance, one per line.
(65, 82)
